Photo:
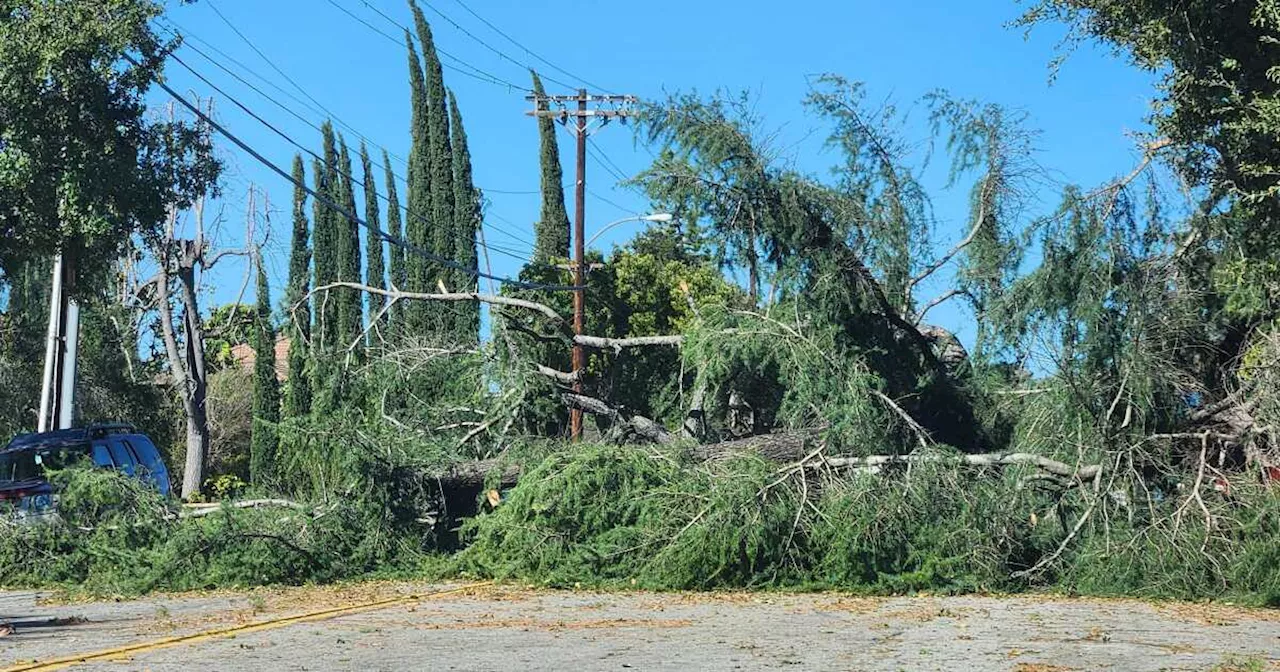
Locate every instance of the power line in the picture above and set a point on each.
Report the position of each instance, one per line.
(462, 67)
(310, 123)
(308, 151)
(529, 51)
(617, 170)
(179, 31)
(264, 57)
(607, 165)
(405, 28)
(488, 46)
(326, 111)
(373, 230)
(613, 203)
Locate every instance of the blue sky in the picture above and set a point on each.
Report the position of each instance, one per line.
(901, 50)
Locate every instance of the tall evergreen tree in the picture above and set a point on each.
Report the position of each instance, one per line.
(551, 234)
(418, 202)
(327, 256)
(440, 154)
(398, 277)
(375, 273)
(297, 387)
(350, 301)
(264, 438)
(467, 211)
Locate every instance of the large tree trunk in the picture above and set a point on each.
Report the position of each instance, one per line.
(197, 383)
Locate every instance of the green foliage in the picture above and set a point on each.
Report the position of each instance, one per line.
(790, 380)
(551, 233)
(120, 538)
(627, 517)
(327, 244)
(114, 384)
(84, 188)
(418, 210)
(297, 394)
(265, 443)
(439, 165)
(230, 410)
(466, 222)
(398, 275)
(376, 274)
(931, 528)
(895, 210)
(226, 327)
(654, 286)
(350, 301)
(621, 516)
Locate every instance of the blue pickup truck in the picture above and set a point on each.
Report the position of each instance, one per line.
(24, 488)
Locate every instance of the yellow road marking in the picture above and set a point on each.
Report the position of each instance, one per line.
(144, 647)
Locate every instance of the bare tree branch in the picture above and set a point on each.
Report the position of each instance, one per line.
(398, 294)
(617, 344)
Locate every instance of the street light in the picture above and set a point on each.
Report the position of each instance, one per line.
(660, 218)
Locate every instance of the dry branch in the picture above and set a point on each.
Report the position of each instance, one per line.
(617, 344)
(1051, 466)
(400, 295)
(206, 509)
(598, 342)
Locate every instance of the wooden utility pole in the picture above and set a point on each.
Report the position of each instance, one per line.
(611, 107)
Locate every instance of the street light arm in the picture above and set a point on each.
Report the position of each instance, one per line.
(661, 217)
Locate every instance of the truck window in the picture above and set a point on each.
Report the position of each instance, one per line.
(31, 463)
(101, 457)
(141, 454)
(124, 461)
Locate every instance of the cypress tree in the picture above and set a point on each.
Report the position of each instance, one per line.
(298, 388)
(398, 276)
(418, 202)
(440, 159)
(350, 301)
(264, 442)
(466, 205)
(551, 235)
(326, 245)
(375, 274)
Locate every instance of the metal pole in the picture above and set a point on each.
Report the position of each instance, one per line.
(51, 349)
(579, 262)
(70, 360)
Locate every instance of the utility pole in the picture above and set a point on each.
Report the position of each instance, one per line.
(58, 385)
(609, 107)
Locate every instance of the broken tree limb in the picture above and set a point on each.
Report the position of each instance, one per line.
(597, 342)
(400, 295)
(617, 344)
(590, 405)
(922, 435)
(563, 377)
(621, 421)
(206, 509)
(473, 475)
(1051, 466)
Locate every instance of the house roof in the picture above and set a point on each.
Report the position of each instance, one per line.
(245, 357)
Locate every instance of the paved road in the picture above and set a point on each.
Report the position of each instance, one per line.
(510, 628)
